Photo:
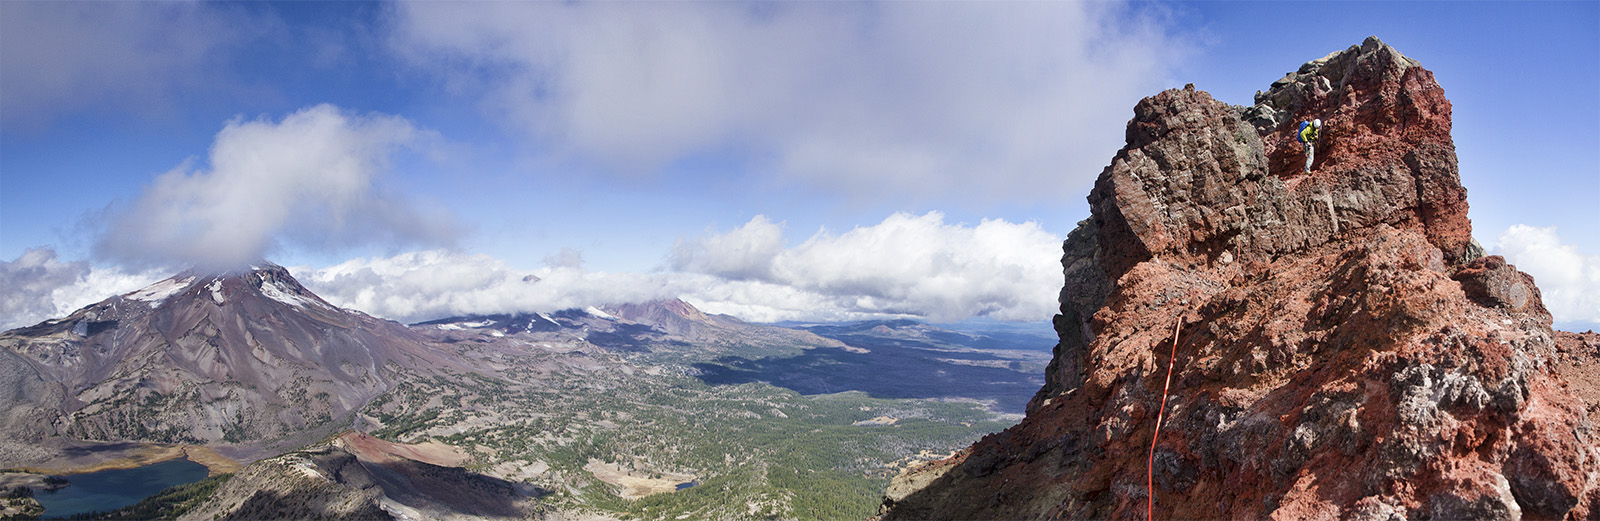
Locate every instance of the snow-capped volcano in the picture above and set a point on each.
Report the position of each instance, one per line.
(266, 280)
(238, 356)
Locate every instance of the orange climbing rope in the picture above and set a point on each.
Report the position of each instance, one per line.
(1150, 467)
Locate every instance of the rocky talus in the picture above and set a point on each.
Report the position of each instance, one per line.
(1343, 349)
(357, 477)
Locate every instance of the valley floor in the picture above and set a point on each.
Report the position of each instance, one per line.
(562, 429)
(609, 435)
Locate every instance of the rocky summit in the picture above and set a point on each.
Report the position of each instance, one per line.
(1343, 350)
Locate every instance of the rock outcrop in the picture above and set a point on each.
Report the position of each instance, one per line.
(355, 476)
(31, 402)
(1577, 367)
(1343, 348)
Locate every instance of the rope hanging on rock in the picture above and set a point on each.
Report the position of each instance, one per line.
(1150, 472)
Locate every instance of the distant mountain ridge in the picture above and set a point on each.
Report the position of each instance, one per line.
(675, 316)
(906, 328)
(627, 326)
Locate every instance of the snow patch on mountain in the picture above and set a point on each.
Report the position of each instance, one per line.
(159, 291)
(458, 326)
(274, 290)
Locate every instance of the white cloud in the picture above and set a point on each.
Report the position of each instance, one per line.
(744, 253)
(37, 286)
(906, 266)
(58, 57)
(310, 179)
(419, 286)
(1568, 280)
(425, 285)
(1011, 100)
(914, 265)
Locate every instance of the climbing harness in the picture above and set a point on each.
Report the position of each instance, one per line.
(1150, 467)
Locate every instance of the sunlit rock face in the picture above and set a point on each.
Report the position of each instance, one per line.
(1342, 349)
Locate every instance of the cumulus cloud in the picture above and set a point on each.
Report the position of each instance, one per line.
(38, 286)
(425, 285)
(744, 253)
(1004, 101)
(906, 266)
(312, 179)
(1568, 280)
(58, 57)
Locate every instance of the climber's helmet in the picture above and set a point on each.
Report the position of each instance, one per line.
(1317, 123)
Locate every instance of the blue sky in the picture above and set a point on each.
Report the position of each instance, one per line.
(808, 160)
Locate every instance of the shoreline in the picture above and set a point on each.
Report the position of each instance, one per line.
(149, 454)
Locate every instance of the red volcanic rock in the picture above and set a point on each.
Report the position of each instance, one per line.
(1341, 350)
(1491, 282)
(1195, 180)
(1577, 366)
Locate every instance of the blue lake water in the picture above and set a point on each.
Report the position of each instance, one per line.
(112, 489)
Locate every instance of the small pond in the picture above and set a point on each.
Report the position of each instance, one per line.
(688, 484)
(117, 488)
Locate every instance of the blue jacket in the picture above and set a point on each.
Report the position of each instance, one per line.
(1308, 132)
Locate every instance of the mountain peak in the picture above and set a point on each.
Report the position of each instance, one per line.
(1200, 180)
(671, 315)
(263, 279)
(1339, 345)
(270, 357)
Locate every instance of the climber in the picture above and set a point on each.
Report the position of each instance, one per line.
(1308, 135)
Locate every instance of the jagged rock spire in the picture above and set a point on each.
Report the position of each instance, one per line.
(1342, 350)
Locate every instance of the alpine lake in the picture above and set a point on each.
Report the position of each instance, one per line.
(116, 488)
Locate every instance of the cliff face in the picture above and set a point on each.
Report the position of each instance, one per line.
(1343, 350)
